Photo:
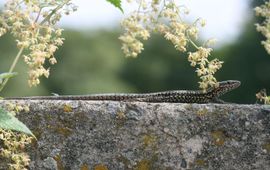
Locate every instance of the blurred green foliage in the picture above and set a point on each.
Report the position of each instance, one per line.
(92, 62)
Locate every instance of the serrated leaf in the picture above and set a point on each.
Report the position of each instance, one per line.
(9, 122)
(6, 76)
(116, 3)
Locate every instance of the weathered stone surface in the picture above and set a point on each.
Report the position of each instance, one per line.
(132, 135)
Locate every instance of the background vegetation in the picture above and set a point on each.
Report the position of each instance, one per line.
(92, 62)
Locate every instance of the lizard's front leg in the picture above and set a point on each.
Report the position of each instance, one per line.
(217, 100)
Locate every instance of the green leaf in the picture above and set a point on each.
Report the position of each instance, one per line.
(8, 121)
(6, 76)
(116, 3)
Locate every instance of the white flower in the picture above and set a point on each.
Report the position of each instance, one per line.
(164, 17)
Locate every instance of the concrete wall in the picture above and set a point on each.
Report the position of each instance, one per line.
(132, 135)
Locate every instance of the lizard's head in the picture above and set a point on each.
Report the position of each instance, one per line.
(226, 86)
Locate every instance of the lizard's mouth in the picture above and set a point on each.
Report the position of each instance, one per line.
(236, 84)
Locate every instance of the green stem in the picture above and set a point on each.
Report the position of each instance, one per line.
(193, 44)
(12, 67)
(53, 12)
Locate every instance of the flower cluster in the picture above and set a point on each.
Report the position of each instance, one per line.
(14, 143)
(262, 96)
(17, 108)
(264, 11)
(165, 18)
(206, 68)
(14, 149)
(33, 24)
(132, 45)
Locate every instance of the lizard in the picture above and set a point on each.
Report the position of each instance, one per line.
(211, 95)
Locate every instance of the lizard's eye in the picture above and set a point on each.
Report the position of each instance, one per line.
(229, 83)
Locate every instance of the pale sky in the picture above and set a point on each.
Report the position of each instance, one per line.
(224, 17)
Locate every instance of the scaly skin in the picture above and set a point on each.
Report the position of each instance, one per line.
(176, 96)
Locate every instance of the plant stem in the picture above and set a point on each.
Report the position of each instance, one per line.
(12, 67)
(193, 44)
(53, 12)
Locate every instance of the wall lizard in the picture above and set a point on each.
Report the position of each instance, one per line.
(176, 96)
